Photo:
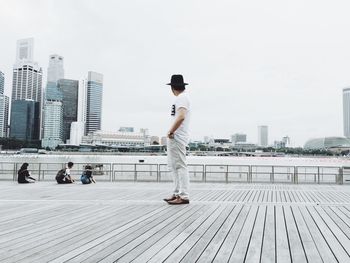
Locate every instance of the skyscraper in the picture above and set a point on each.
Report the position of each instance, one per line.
(263, 136)
(82, 101)
(2, 82)
(76, 132)
(94, 89)
(55, 70)
(4, 115)
(69, 89)
(27, 75)
(26, 83)
(346, 111)
(53, 116)
(24, 123)
(25, 49)
(4, 107)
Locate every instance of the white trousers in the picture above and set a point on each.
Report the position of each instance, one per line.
(178, 166)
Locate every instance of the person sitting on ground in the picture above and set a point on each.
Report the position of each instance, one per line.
(63, 176)
(86, 177)
(24, 175)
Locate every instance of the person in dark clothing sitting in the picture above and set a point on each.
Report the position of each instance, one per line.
(86, 177)
(24, 175)
(63, 176)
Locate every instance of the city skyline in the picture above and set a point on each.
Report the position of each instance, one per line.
(272, 72)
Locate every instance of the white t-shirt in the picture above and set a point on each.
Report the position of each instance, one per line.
(182, 133)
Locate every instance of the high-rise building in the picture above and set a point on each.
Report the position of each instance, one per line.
(238, 137)
(27, 75)
(2, 82)
(27, 82)
(286, 141)
(69, 89)
(53, 116)
(4, 107)
(26, 85)
(82, 101)
(24, 123)
(4, 115)
(25, 49)
(346, 111)
(94, 90)
(263, 136)
(55, 70)
(76, 133)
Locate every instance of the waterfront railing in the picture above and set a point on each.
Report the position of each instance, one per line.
(158, 172)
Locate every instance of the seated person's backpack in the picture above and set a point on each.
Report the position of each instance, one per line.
(61, 174)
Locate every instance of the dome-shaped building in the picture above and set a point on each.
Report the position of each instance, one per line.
(328, 143)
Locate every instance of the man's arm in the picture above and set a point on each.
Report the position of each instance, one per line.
(178, 121)
(69, 176)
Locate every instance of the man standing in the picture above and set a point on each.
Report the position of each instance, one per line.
(178, 137)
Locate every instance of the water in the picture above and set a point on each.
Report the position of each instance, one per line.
(100, 158)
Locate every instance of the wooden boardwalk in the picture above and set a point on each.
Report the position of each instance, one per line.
(129, 222)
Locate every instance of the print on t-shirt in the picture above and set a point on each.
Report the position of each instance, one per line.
(173, 110)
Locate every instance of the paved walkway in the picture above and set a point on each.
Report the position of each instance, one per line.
(125, 222)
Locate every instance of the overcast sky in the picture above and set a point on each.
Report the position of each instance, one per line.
(248, 63)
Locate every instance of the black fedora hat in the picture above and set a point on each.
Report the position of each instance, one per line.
(177, 81)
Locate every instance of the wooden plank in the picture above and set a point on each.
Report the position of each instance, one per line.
(35, 230)
(339, 219)
(343, 240)
(317, 237)
(239, 251)
(230, 241)
(200, 239)
(153, 233)
(282, 245)
(174, 241)
(295, 245)
(332, 242)
(345, 210)
(310, 249)
(254, 248)
(97, 249)
(71, 231)
(268, 243)
(213, 247)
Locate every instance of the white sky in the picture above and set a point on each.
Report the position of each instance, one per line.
(275, 62)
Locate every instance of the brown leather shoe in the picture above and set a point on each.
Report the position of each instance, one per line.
(179, 201)
(171, 198)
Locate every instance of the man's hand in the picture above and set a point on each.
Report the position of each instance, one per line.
(170, 135)
(178, 121)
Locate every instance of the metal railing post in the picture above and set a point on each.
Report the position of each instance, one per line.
(111, 172)
(250, 174)
(272, 175)
(226, 174)
(14, 171)
(340, 176)
(39, 172)
(135, 172)
(296, 175)
(318, 174)
(158, 173)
